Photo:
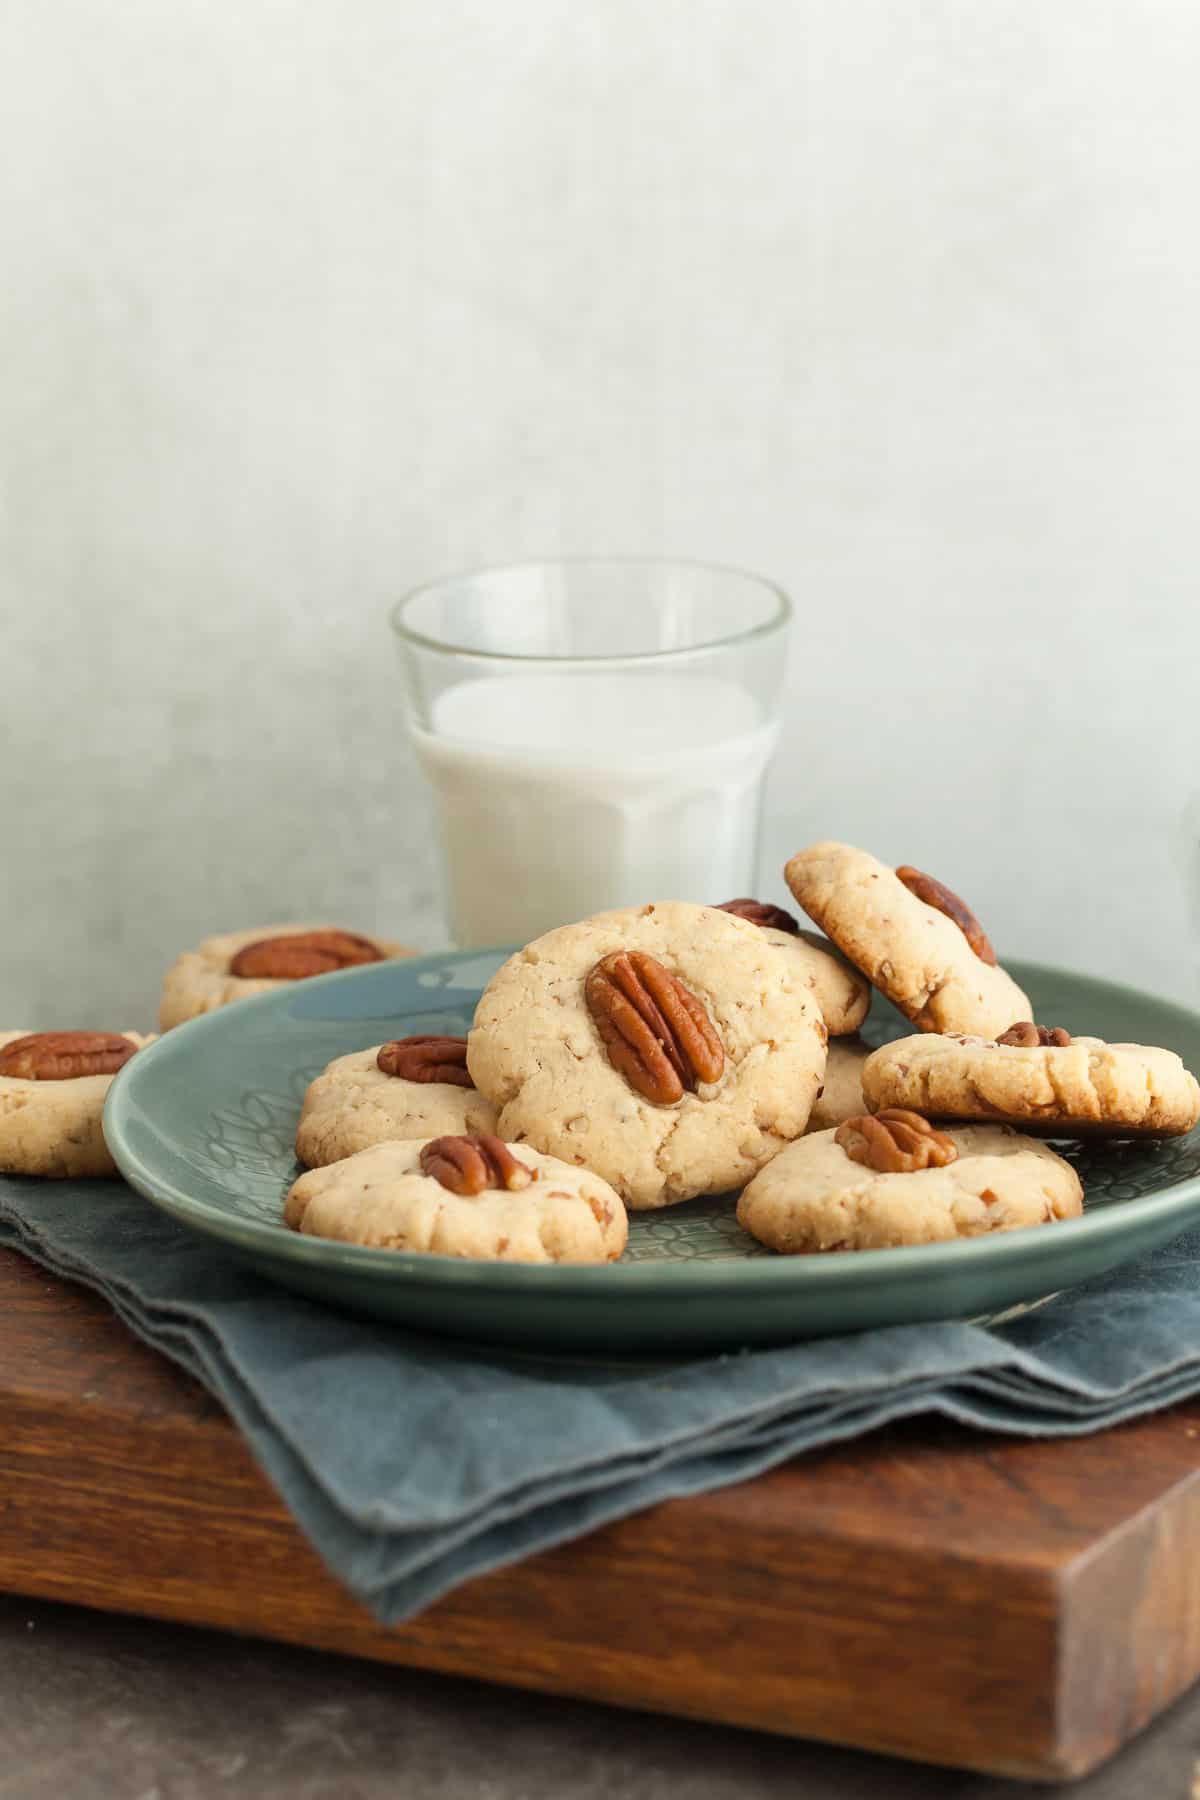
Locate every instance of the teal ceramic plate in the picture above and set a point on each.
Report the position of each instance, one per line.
(201, 1123)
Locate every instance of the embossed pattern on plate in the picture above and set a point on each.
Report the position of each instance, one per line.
(255, 1138)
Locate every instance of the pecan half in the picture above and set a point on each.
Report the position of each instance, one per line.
(468, 1165)
(65, 1055)
(934, 894)
(657, 1034)
(1026, 1035)
(300, 954)
(426, 1059)
(895, 1142)
(760, 912)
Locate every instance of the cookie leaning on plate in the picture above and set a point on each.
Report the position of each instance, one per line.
(886, 1182)
(843, 995)
(415, 1087)
(671, 1048)
(1038, 1080)
(916, 941)
(52, 1090)
(462, 1195)
(235, 964)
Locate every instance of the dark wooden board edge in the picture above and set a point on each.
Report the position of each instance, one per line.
(1129, 1620)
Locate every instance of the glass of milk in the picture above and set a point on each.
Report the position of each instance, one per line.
(596, 733)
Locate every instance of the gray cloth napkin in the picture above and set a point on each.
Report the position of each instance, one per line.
(413, 1463)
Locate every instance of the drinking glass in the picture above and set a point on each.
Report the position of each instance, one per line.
(596, 733)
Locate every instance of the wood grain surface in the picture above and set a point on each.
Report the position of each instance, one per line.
(1004, 1605)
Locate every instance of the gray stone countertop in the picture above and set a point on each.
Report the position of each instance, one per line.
(96, 1707)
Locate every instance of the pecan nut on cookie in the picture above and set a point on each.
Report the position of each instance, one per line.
(894, 1179)
(843, 995)
(414, 1087)
(236, 964)
(912, 937)
(1040, 1079)
(52, 1090)
(671, 1048)
(465, 1195)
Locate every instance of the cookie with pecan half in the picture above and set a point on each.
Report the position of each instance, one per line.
(235, 964)
(843, 995)
(415, 1087)
(911, 936)
(671, 1048)
(880, 1183)
(52, 1090)
(466, 1195)
(1040, 1079)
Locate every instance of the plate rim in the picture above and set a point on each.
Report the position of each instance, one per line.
(712, 1276)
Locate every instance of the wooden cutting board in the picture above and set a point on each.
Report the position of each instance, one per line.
(1003, 1605)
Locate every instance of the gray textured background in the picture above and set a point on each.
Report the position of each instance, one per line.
(304, 303)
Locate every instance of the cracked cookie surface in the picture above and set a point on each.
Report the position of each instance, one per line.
(536, 1053)
(914, 954)
(352, 1104)
(380, 1197)
(53, 1128)
(814, 1197)
(199, 980)
(1087, 1088)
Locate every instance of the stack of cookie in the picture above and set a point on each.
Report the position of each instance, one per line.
(665, 1051)
(650, 1055)
(646, 1056)
(946, 1140)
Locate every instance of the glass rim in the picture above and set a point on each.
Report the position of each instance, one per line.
(779, 619)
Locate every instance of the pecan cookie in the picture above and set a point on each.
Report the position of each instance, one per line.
(410, 1088)
(914, 939)
(52, 1089)
(875, 1184)
(1032, 1078)
(236, 964)
(671, 1048)
(462, 1195)
(841, 1095)
(843, 995)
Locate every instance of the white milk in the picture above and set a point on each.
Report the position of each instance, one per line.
(561, 795)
